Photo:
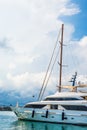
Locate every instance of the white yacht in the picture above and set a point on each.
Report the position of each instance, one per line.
(62, 107)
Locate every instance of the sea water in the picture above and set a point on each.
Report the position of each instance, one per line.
(8, 121)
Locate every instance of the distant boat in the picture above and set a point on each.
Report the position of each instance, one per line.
(62, 107)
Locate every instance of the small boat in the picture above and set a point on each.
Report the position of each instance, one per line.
(62, 107)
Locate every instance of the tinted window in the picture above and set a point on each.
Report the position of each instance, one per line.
(79, 108)
(54, 106)
(34, 106)
(61, 99)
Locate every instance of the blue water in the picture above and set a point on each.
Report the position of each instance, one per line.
(8, 121)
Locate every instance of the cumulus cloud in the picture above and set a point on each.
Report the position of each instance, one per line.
(23, 79)
(77, 56)
(30, 28)
(12, 66)
(81, 49)
(83, 42)
(72, 10)
(82, 79)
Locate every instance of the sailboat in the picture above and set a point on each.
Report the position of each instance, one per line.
(61, 107)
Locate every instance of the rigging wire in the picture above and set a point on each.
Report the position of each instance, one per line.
(73, 61)
(49, 65)
(49, 75)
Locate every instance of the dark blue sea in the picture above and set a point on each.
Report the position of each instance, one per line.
(8, 121)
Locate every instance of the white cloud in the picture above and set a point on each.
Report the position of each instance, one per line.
(83, 42)
(29, 83)
(72, 10)
(30, 28)
(77, 56)
(82, 79)
(28, 80)
(26, 59)
(81, 49)
(1, 83)
(12, 66)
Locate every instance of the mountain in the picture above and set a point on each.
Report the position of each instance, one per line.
(11, 98)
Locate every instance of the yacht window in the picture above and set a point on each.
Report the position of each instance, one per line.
(85, 97)
(72, 107)
(34, 106)
(54, 107)
(62, 99)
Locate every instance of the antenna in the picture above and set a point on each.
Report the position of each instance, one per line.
(73, 79)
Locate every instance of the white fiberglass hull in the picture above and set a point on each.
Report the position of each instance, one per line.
(54, 116)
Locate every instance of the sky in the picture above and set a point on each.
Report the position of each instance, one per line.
(28, 32)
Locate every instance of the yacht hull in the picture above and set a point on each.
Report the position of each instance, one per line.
(51, 115)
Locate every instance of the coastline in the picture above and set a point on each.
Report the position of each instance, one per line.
(5, 108)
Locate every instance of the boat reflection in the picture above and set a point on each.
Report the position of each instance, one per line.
(27, 125)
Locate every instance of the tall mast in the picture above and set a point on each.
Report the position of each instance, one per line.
(61, 55)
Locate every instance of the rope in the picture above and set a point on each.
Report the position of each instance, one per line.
(49, 76)
(48, 66)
